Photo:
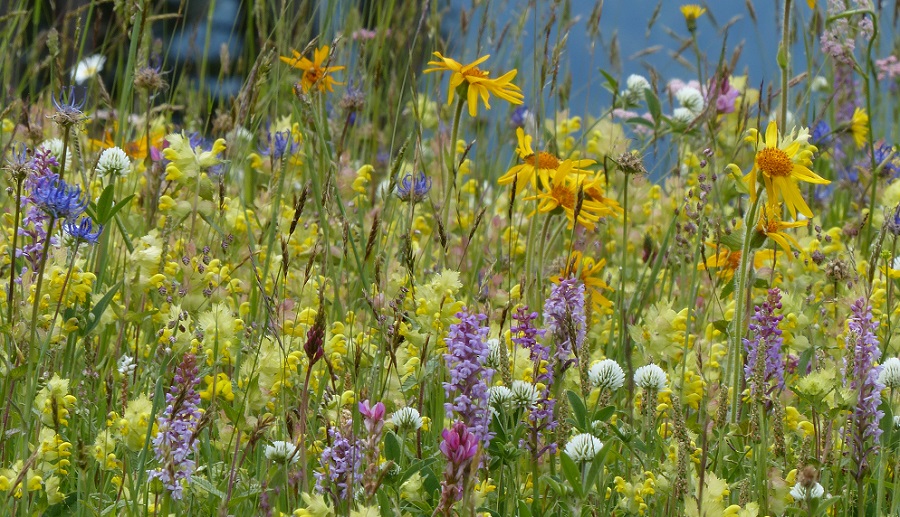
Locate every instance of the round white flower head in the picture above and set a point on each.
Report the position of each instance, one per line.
(690, 98)
(650, 377)
(113, 162)
(126, 365)
(819, 84)
(683, 115)
(897, 421)
(282, 452)
(407, 418)
(583, 447)
(800, 493)
(637, 84)
(607, 375)
(524, 394)
(499, 395)
(493, 359)
(88, 67)
(890, 373)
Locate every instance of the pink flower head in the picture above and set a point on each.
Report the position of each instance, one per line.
(459, 445)
(373, 416)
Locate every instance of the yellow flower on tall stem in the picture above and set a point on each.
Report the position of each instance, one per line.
(588, 271)
(314, 73)
(771, 226)
(477, 81)
(562, 192)
(691, 12)
(536, 165)
(783, 160)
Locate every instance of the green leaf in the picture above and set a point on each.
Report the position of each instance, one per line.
(761, 283)
(639, 121)
(722, 325)
(206, 486)
(392, 449)
(103, 204)
(604, 414)
(115, 209)
(524, 510)
(653, 105)
(100, 308)
(611, 83)
(578, 409)
(572, 473)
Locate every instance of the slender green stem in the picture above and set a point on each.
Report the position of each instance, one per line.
(784, 62)
(11, 289)
(737, 331)
(450, 179)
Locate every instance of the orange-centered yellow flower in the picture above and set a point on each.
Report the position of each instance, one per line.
(314, 74)
(536, 165)
(477, 81)
(562, 192)
(771, 226)
(783, 160)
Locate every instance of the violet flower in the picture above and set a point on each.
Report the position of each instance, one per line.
(177, 425)
(860, 370)
(467, 353)
(540, 418)
(564, 317)
(341, 463)
(766, 341)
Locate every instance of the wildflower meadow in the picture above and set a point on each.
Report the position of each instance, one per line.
(449, 258)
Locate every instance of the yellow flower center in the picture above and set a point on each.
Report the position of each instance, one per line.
(313, 74)
(563, 196)
(543, 160)
(475, 72)
(774, 162)
(733, 260)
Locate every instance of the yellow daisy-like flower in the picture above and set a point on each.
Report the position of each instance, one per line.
(726, 261)
(594, 189)
(859, 127)
(588, 271)
(536, 165)
(771, 226)
(314, 74)
(477, 81)
(783, 160)
(691, 12)
(562, 192)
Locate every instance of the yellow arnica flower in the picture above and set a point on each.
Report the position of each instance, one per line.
(314, 74)
(771, 226)
(726, 261)
(478, 82)
(859, 127)
(536, 164)
(782, 160)
(562, 192)
(595, 190)
(589, 272)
